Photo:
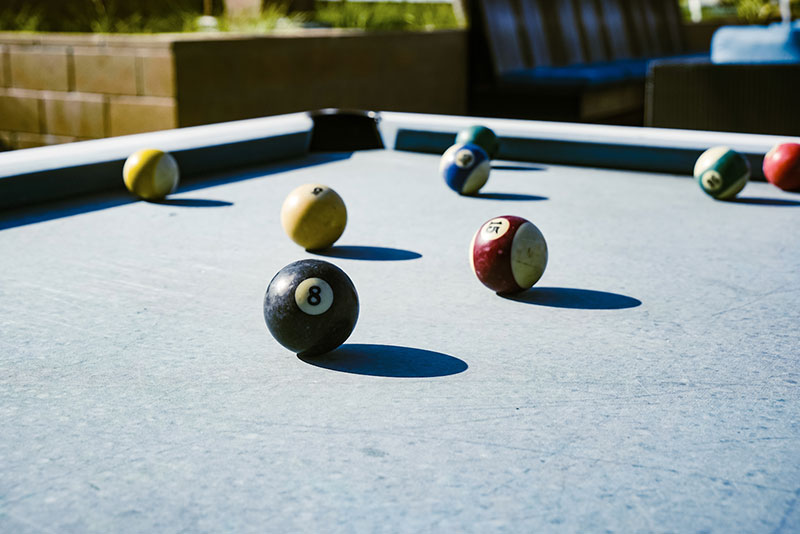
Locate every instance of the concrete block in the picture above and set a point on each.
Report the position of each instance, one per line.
(100, 70)
(20, 38)
(93, 40)
(158, 75)
(75, 114)
(19, 111)
(42, 68)
(130, 115)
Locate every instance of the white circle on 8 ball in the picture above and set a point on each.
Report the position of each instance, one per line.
(313, 296)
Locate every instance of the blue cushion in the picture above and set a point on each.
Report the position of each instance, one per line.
(575, 76)
(776, 43)
(589, 74)
(635, 67)
(638, 67)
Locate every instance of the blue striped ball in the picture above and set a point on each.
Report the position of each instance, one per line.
(465, 168)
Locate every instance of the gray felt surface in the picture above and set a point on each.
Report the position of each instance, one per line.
(649, 383)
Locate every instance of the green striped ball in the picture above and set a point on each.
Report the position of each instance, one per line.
(722, 172)
(481, 136)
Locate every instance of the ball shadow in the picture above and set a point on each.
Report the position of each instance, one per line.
(760, 201)
(507, 167)
(389, 361)
(507, 196)
(194, 202)
(367, 253)
(578, 299)
(198, 176)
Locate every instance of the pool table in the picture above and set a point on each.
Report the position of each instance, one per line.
(647, 383)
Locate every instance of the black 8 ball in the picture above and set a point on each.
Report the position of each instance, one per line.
(311, 307)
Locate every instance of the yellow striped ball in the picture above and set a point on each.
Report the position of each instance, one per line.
(314, 216)
(151, 174)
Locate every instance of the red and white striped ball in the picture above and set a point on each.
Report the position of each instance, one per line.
(508, 254)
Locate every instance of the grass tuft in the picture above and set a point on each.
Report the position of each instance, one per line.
(272, 17)
(386, 15)
(749, 11)
(27, 19)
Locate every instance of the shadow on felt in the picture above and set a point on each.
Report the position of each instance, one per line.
(389, 361)
(506, 196)
(194, 202)
(56, 209)
(578, 299)
(518, 167)
(349, 252)
(760, 201)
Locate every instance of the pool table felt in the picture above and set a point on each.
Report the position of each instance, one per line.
(647, 382)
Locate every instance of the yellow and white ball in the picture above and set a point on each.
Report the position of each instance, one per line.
(314, 216)
(151, 174)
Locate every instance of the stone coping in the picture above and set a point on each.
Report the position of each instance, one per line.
(166, 39)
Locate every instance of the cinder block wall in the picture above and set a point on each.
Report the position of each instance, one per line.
(61, 88)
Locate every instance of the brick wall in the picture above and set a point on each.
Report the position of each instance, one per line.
(59, 88)
(62, 88)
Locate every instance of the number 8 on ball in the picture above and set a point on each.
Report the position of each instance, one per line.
(311, 307)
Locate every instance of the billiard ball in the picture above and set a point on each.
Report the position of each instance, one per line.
(782, 166)
(311, 307)
(314, 216)
(721, 172)
(465, 168)
(151, 174)
(508, 254)
(481, 136)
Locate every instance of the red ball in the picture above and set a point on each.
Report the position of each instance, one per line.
(508, 254)
(782, 166)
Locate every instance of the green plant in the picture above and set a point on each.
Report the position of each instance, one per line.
(146, 16)
(273, 16)
(756, 10)
(117, 16)
(386, 15)
(750, 11)
(151, 16)
(27, 19)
